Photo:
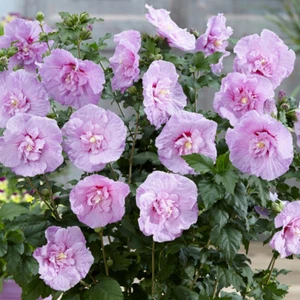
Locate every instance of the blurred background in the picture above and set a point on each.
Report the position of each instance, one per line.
(244, 16)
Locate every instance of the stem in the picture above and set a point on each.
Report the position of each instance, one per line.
(153, 269)
(84, 284)
(271, 267)
(132, 148)
(40, 196)
(113, 172)
(102, 66)
(215, 289)
(103, 253)
(196, 76)
(196, 276)
(51, 198)
(47, 42)
(121, 110)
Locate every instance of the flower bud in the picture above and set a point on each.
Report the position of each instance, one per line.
(285, 106)
(84, 17)
(158, 57)
(98, 229)
(3, 60)
(282, 96)
(12, 51)
(40, 16)
(2, 52)
(277, 207)
(132, 90)
(110, 262)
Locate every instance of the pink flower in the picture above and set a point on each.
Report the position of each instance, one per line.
(241, 93)
(21, 92)
(265, 55)
(31, 145)
(167, 28)
(287, 241)
(297, 126)
(94, 137)
(98, 201)
(163, 95)
(25, 34)
(185, 133)
(260, 145)
(64, 260)
(168, 205)
(125, 62)
(71, 81)
(215, 39)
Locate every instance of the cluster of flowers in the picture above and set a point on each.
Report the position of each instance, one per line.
(93, 137)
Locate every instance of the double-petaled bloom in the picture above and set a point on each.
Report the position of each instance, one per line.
(163, 95)
(24, 34)
(167, 28)
(125, 61)
(186, 133)
(64, 260)
(31, 145)
(215, 40)
(264, 55)
(98, 201)
(260, 145)
(240, 93)
(93, 138)
(21, 92)
(287, 240)
(71, 81)
(168, 205)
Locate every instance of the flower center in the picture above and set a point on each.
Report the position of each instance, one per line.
(185, 144)
(98, 197)
(260, 145)
(263, 62)
(218, 43)
(244, 100)
(16, 101)
(94, 142)
(30, 149)
(61, 256)
(166, 206)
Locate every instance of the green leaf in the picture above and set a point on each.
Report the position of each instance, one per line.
(228, 239)
(210, 192)
(181, 292)
(35, 288)
(15, 236)
(218, 215)
(262, 189)
(228, 179)
(141, 158)
(239, 199)
(199, 60)
(26, 269)
(199, 162)
(223, 163)
(106, 289)
(214, 58)
(13, 257)
(228, 277)
(11, 210)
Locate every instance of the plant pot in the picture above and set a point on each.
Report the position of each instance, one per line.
(10, 291)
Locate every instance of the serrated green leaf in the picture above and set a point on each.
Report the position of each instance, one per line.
(26, 269)
(262, 189)
(228, 239)
(228, 277)
(228, 179)
(218, 215)
(199, 162)
(13, 256)
(35, 288)
(106, 289)
(210, 192)
(11, 210)
(238, 199)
